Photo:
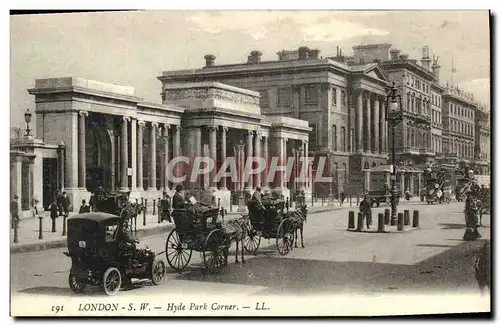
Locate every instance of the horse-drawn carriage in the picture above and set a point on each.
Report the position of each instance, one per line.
(197, 228)
(99, 257)
(274, 221)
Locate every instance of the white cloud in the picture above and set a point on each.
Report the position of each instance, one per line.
(316, 25)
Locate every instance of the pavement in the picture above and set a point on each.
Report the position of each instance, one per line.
(29, 228)
(432, 260)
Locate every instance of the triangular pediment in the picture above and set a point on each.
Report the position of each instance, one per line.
(376, 72)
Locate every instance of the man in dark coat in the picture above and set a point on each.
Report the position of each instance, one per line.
(84, 208)
(66, 204)
(14, 212)
(59, 199)
(366, 209)
(178, 201)
(165, 207)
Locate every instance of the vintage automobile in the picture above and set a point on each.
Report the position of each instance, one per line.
(100, 258)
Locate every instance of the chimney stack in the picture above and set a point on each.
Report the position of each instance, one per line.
(303, 52)
(426, 60)
(395, 54)
(314, 54)
(255, 57)
(209, 61)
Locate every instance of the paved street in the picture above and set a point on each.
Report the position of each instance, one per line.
(433, 259)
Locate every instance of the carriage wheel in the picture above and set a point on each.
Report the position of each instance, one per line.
(158, 272)
(284, 237)
(215, 251)
(177, 256)
(75, 284)
(112, 281)
(252, 242)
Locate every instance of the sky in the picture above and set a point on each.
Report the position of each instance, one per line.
(133, 48)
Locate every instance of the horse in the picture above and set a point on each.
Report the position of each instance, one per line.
(237, 230)
(298, 218)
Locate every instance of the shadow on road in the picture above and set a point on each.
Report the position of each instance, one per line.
(452, 226)
(434, 245)
(451, 270)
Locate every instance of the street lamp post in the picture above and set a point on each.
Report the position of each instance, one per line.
(27, 119)
(393, 114)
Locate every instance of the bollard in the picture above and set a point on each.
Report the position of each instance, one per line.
(350, 200)
(154, 206)
(16, 228)
(312, 200)
(40, 235)
(407, 217)
(53, 225)
(381, 224)
(415, 219)
(218, 202)
(400, 222)
(145, 205)
(322, 201)
(360, 222)
(351, 220)
(357, 200)
(160, 213)
(387, 215)
(64, 225)
(144, 216)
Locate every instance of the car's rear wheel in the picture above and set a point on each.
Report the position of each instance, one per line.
(112, 281)
(76, 284)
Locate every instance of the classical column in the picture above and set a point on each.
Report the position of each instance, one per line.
(249, 143)
(284, 161)
(383, 129)
(258, 138)
(16, 182)
(303, 164)
(306, 153)
(124, 154)
(133, 154)
(402, 184)
(359, 122)
(176, 148)
(212, 143)
(166, 141)
(60, 165)
(71, 150)
(279, 176)
(412, 183)
(140, 144)
(376, 119)
(368, 124)
(266, 158)
(152, 158)
(82, 175)
(223, 155)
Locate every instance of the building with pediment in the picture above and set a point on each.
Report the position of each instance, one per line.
(343, 103)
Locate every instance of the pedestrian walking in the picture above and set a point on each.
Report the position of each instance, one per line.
(59, 199)
(54, 209)
(165, 208)
(365, 208)
(14, 212)
(66, 204)
(342, 197)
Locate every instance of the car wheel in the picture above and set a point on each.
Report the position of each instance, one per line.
(111, 281)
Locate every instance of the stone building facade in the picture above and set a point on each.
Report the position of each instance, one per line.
(459, 111)
(482, 141)
(344, 105)
(90, 133)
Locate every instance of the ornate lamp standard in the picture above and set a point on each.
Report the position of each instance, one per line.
(27, 119)
(393, 114)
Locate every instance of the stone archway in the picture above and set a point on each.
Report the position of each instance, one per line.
(98, 153)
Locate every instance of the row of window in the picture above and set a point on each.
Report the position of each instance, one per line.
(436, 99)
(417, 83)
(465, 150)
(417, 138)
(462, 127)
(461, 111)
(437, 119)
(417, 105)
(311, 96)
(437, 144)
